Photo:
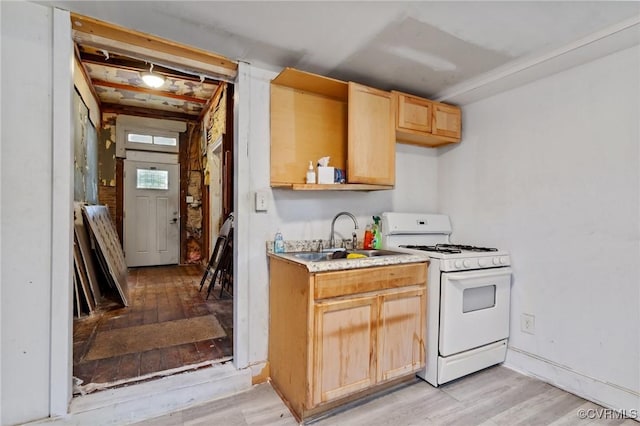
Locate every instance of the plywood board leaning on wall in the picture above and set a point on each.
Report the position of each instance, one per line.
(82, 278)
(108, 247)
(82, 240)
(76, 297)
(81, 235)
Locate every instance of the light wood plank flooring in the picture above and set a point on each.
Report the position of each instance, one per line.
(492, 397)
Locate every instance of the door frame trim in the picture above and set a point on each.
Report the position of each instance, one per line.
(61, 343)
(152, 157)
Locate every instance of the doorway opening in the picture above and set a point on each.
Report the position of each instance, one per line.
(161, 161)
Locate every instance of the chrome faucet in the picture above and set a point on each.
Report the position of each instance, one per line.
(333, 222)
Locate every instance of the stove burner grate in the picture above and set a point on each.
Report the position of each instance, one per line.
(449, 248)
(435, 248)
(466, 247)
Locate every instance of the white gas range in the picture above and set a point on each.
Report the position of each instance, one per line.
(468, 292)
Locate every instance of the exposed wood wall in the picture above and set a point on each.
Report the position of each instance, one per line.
(191, 176)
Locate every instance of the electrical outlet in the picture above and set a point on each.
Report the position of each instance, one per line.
(261, 201)
(528, 323)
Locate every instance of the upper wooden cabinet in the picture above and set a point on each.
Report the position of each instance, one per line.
(413, 114)
(446, 121)
(314, 116)
(419, 121)
(371, 151)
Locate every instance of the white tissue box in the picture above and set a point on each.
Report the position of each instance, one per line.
(325, 174)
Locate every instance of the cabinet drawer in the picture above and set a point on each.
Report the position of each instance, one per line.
(341, 283)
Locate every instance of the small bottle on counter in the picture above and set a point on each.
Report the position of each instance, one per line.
(311, 174)
(278, 243)
(377, 237)
(367, 243)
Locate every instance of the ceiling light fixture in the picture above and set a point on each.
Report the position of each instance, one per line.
(151, 79)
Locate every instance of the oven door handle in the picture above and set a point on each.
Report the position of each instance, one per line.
(470, 275)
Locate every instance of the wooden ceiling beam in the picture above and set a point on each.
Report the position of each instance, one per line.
(153, 92)
(103, 35)
(139, 66)
(85, 75)
(146, 112)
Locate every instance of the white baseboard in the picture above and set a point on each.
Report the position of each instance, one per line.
(608, 395)
(155, 398)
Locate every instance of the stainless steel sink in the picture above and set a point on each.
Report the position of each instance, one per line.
(378, 252)
(329, 255)
(312, 256)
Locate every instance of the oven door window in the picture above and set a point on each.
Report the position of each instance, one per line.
(474, 309)
(474, 299)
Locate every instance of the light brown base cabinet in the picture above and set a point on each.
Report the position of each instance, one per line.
(334, 336)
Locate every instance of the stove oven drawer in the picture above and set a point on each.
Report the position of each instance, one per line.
(474, 309)
(354, 281)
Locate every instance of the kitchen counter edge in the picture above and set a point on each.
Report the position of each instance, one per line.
(342, 264)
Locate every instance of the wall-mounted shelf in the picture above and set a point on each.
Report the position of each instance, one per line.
(332, 187)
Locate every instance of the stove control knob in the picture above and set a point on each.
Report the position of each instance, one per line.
(466, 263)
(458, 264)
(482, 261)
(496, 260)
(503, 260)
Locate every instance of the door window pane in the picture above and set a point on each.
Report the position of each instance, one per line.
(134, 137)
(161, 140)
(152, 179)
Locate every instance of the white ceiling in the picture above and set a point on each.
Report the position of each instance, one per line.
(431, 48)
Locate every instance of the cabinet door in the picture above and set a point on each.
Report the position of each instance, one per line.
(446, 120)
(371, 154)
(344, 347)
(413, 113)
(401, 333)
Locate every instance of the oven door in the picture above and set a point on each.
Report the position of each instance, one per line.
(474, 309)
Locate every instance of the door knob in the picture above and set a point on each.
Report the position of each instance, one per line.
(174, 220)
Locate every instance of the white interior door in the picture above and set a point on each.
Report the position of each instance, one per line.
(151, 213)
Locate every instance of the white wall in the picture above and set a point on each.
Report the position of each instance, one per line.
(551, 172)
(308, 214)
(35, 289)
(544, 171)
(26, 200)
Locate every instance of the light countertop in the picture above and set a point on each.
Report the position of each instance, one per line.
(292, 247)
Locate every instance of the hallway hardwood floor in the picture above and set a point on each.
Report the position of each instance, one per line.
(493, 397)
(161, 298)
